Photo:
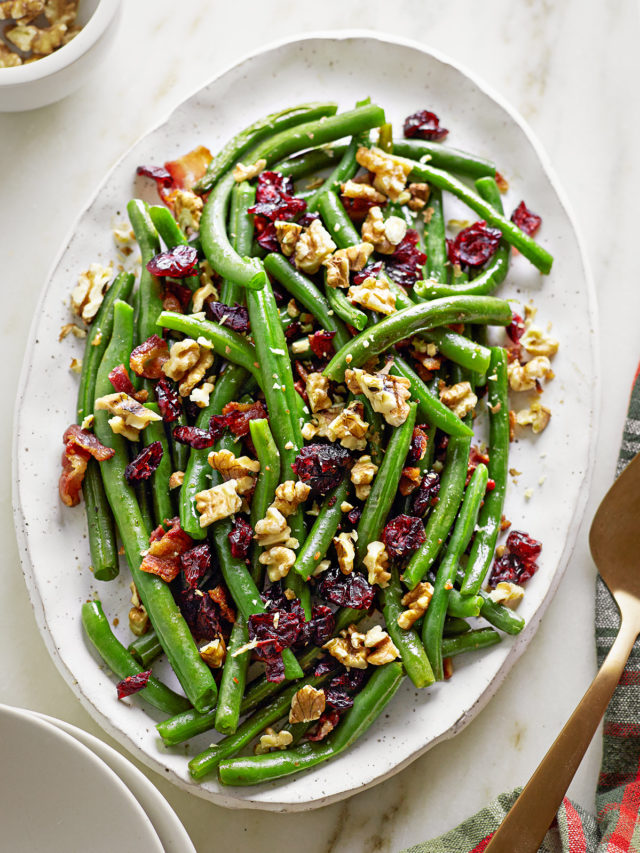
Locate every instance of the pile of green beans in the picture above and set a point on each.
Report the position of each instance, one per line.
(410, 436)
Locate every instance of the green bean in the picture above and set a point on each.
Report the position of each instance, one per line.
(234, 675)
(310, 162)
(159, 480)
(375, 433)
(491, 513)
(481, 638)
(385, 138)
(146, 648)
(417, 318)
(345, 310)
(173, 633)
(499, 616)
(449, 159)
(385, 485)
(266, 483)
(367, 706)
(414, 657)
(454, 626)
(337, 221)
(321, 535)
(172, 236)
(532, 251)
(464, 606)
(436, 248)
(265, 127)
(460, 537)
(120, 662)
(206, 761)
(150, 287)
(243, 196)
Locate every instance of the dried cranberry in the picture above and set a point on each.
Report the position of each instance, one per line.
(327, 722)
(419, 443)
(519, 562)
(322, 624)
(404, 266)
(476, 456)
(274, 669)
(145, 463)
(354, 515)
(337, 698)
(307, 218)
(403, 535)
(200, 613)
(293, 331)
(322, 466)
(324, 666)
(475, 245)
(235, 317)
(271, 187)
(266, 234)
(175, 297)
(274, 201)
(515, 329)
(346, 590)
(321, 344)
(349, 679)
(424, 125)
(239, 415)
(194, 437)
(195, 563)
(159, 174)
(178, 262)
(168, 400)
(240, 538)
(526, 219)
(119, 378)
(133, 683)
(369, 270)
(274, 631)
(426, 495)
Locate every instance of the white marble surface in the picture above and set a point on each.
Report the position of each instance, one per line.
(570, 68)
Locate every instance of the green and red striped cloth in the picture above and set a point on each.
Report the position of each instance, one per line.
(616, 828)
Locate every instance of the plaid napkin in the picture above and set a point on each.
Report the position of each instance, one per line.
(616, 829)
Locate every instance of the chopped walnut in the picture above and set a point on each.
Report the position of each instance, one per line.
(522, 377)
(287, 234)
(22, 36)
(22, 10)
(416, 601)
(380, 644)
(307, 705)
(348, 649)
(374, 294)
(536, 342)
(201, 295)
(188, 364)
(507, 593)
(358, 189)
(138, 617)
(240, 468)
(319, 424)
(63, 11)
(289, 496)
(345, 549)
(246, 173)
(313, 246)
(377, 562)
(391, 172)
(349, 427)
(278, 561)
(374, 231)
(176, 479)
(201, 395)
(76, 365)
(317, 387)
(419, 196)
(537, 416)
(218, 502)
(362, 475)
(8, 59)
(71, 328)
(49, 39)
(89, 292)
(214, 653)
(387, 394)
(459, 398)
(129, 415)
(187, 209)
(342, 261)
(273, 740)
(272, 529)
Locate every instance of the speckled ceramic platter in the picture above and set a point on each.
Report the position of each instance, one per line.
(555, 465)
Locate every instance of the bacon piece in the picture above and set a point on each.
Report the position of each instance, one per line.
(188, 169)
(80, 445)
(219, 595)
(147, 358)
(165, 549)
(87, 441)
(119, 378)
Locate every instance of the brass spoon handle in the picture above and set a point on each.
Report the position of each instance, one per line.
(524, 828)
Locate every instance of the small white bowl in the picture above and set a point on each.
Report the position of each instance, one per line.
(53, 77)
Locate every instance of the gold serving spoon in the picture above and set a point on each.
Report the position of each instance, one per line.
(613, 540)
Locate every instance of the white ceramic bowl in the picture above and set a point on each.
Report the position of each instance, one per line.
(53, 77)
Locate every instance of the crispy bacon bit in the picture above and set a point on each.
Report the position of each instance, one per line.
(409, 480)
(195, 563)
(238, 415)
(404, 266)
(87, 441)
(148, 357)
(526, 219)
(119, 378)
(476, 456)
(133, 684)
(424, 125)
(219, 595)
(194, 437)
(168, 400)
(145, 463)
(321, 344)
(502, 182)
(518, 563)
(178, 262)
(235, 317)
(322, 466)
(80, 445)
(240, 538)
(187, 170)
(474, 245)
(351, 590)
(419, 443)
(403, 535)
(165, 549)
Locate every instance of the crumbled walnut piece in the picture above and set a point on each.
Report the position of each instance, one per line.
(63, 11)
(345, 506)
(87, 422)
(246, 173)
(182, 357)
(8, 59)
(272, 529)
(362, 475)
(307, 705)
(374, 232)
(129, 415)
(76, 365)
(201, 295)
(374, 294)
(214, 653)
(289, 496)
(138, 616)
(187, 209)
(416, 601)
(319, 425)
(342, 261)
(71, 328)
(313, 246)
(22, 36)
(176, 479)
(241, 468)
(89, 292)
(22, 10)
(273, 740)
(218, 502)
(387, 394)
(391, 172)
(200, 396)
(278, 561)
(197, 372)
(49, 39)
(287, 234)
(522, 377)
(536, 342)
(207, 276)
(537, 416)
(507, 593)
(419, 196)
(317, 387)
(348, 649)
(382, 649)
(345, 549)
(377, 562)
(358, 189)
(459, 398)
(349, 427)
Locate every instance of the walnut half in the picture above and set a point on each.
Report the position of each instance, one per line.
(307, 705)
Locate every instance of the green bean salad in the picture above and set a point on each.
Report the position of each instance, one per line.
(276, 424)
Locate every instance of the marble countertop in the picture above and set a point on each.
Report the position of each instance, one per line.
(570, 74)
